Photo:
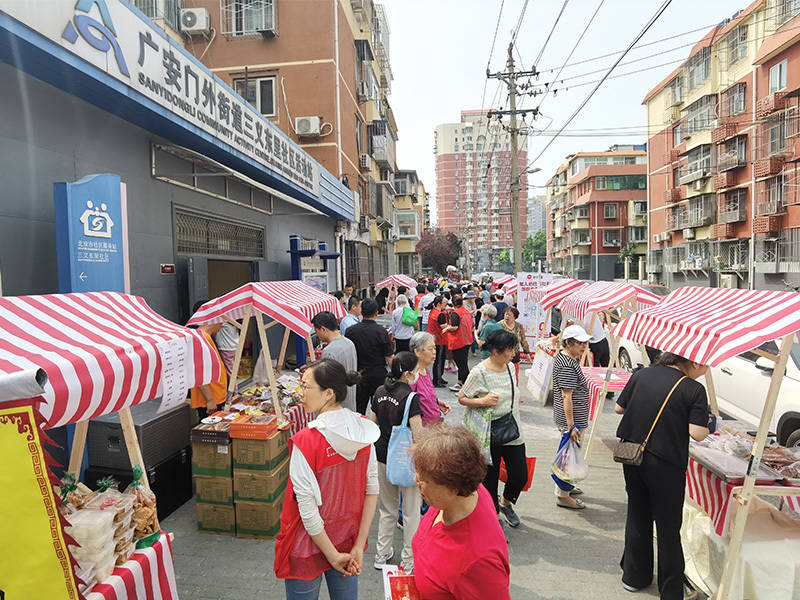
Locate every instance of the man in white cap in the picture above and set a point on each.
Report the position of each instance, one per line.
(499, 305)
(570, 402)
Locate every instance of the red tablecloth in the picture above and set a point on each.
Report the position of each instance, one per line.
(299, 418)
(148, 575)
(596, 376)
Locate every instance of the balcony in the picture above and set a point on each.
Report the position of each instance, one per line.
(724, 180)
(766, 224)
(695, 176)
(723, 132)
(724, 231)
(672, 114)
(768, 166)
(769, 104)
(728, 162)
(732, 213)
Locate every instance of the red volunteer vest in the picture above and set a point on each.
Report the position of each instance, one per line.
(296, 554)
(463, 335)
(434, 328)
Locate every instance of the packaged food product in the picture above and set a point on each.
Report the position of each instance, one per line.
(93, 546)
(84, 577)
(89, 524)
(73, 496)
(97, 556)
(125, 553)
(120, 504)
(124, 524)
(145, 517)
(104, 569)
(124, 539)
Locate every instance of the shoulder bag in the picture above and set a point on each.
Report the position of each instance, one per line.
(409, 316)
(504, 429)
(632, 453)
(400, 469)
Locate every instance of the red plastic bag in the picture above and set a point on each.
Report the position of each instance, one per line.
(530, 460)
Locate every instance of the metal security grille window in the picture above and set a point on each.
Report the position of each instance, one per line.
(249, 17)
(200, 235)
(259, 92)
(169, 10)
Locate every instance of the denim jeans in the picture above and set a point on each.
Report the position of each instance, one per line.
(339, 587)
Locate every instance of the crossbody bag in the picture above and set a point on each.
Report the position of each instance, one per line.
(632, 453)
(504, 429)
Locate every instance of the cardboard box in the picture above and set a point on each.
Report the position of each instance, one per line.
(260, 486)
(215, 433)
(258, 519)
(262, 455)
(216, 519)
(212, 460)
(254, 428)
(214, 490)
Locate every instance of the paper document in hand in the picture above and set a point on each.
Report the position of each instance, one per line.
(397, 585)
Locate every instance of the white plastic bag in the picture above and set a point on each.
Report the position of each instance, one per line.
(569, 465)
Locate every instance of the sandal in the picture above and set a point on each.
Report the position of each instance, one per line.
(571, 503)
(575, 491)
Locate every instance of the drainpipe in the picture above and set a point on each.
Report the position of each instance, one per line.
(751, 267)
(336, 87)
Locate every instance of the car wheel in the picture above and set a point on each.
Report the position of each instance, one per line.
(794, 439)
(625, 360)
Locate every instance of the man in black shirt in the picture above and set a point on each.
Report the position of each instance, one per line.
(374, 352)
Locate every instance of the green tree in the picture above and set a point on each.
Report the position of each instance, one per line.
(535, 248)
(628, 252)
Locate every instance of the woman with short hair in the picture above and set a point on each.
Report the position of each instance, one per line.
(332, 490)
(510, 324)
(491, 383)
(400, 331)
(459, 548)
(423, 345)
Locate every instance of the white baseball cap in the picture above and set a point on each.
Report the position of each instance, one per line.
(575, 332)
(499, 293)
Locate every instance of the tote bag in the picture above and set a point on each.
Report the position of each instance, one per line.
(400, 469)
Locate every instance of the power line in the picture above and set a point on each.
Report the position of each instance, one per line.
(519, 22)
(647, 26)
(491, 51)
(549, 35)
(585, 29)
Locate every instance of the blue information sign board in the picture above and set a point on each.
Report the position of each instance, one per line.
(90, 234)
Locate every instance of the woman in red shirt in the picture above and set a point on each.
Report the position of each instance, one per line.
(460, 551)
(460, 339)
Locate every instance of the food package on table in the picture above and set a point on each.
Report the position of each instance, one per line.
(791, 471)
(123, 540)
(778, 457)
(145, 518)
(103, 570)
(72, 497)
(730, 443)
(88, 525)
(123, 525)
(125, 553)
(94, 554)
(118, 503)
(84, 572)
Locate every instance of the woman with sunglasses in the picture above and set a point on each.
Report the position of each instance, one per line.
(332, 490)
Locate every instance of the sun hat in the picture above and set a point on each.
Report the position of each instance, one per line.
(575, 332)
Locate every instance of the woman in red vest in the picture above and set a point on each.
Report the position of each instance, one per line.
(438, 327)
(332, 490)
(460, 339)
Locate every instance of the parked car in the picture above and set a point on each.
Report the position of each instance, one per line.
(741, 384)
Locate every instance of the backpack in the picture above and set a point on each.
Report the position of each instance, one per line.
(409, 316)
(400, 469)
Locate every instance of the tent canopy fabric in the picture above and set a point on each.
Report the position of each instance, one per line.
(100, 351)
(511, 287)
(604, 295)
(501, 281)
(396, 280)
(710, 325)
(291, 303)
(558, 289)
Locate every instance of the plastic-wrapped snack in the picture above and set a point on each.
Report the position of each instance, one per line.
(72, 496)
(145, 518)
(791, 471)
(125, 553)
(120, 504)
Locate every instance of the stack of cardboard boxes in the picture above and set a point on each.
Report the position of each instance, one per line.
(240, 481)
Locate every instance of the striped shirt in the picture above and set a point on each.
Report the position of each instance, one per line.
(567, 375)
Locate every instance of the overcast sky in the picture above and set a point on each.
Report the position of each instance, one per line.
(440, 50)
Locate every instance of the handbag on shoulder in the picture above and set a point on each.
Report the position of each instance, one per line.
(505, 429)
(632, 453)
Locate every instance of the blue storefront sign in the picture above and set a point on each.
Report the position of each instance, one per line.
(90, 234)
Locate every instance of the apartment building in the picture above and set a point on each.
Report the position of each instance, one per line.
(473, 186)
(320, 71)
(722, 166)
(410, 208)
(598, 206)
(537, 214)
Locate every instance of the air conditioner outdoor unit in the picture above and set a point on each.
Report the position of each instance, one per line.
(363, 90)
(728, 281)
(688, 233)
(363, 223)
(700, 263)
(699, 185)
(656, 238)
(307, 126)
(195, 21)
(364, 162)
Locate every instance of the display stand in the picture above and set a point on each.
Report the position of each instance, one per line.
(719, 324)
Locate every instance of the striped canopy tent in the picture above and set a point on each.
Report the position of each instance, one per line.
(708, 326)
(100, 351)
(511, 287)
(291, 303)
(502, 281)
(605, 295)
(555, 291)
(396, 280)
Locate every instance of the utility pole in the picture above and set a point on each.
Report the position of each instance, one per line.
(510, 79)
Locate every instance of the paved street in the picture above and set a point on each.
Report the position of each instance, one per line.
(555, 554)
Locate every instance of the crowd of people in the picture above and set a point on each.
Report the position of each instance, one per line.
(377, 377)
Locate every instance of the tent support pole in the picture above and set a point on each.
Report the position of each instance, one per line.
(602, 398)
(273, 383)
(282, 355)
(712, 392)
(132, 442)
(585, 357)
(744, 497)
(239, 348)
(310, 345)
(78, 445)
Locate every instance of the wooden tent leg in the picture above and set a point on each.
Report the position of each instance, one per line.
(601, 399)
(78, 445)
(132, 441)
(284, 343)
(310, 345)
(239, 348)
(273, 382)
(585, 357)
(712, 392)
(744, 497)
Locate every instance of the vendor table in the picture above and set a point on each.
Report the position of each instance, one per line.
(596, 377)
(148, 575)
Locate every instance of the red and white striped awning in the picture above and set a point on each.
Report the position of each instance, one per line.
(604, 295)
(511, 287)
(555, 291)
(100, 351)
(709, 325)
(501, 281)
(396, 280)
(291, 303)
